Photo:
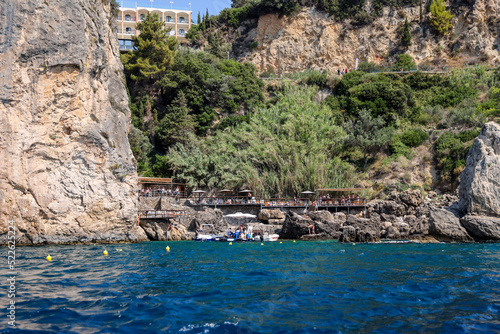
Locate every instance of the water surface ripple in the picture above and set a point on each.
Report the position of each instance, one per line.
(302, 287)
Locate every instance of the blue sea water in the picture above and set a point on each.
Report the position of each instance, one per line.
(301, 287)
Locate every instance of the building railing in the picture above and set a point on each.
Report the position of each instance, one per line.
(162, 193)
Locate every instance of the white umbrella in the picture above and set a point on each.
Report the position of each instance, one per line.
(199, 191)
(307, 192)
(246, 191)
(241, 215)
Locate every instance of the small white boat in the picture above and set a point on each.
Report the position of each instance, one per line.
(270, 237)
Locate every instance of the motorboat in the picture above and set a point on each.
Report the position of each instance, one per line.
(270, 237)
(200, 236)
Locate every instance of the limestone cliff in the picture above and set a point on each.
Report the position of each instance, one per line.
(479, 182)
(67, 173)
(312, 40)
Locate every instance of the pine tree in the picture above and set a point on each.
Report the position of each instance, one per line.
(155, 50)
(406, 40)
(199, 19)
(440, 19)
(176, 124)
(421, 12)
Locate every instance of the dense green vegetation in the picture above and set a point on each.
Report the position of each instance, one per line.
(212, 122)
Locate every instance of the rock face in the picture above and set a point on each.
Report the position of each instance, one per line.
(313, 40)
(445, 225)
(270, 216)
(360, 230)
(479, 183)
(482, 228)
(67, 173)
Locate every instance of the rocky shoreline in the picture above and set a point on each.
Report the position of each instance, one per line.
(474, 216)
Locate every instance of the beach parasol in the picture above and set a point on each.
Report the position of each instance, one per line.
(246, 191)
(307, 192)
(240, 215)
(199, 191)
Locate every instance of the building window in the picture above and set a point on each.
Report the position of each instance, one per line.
(181, 32)
(142, 17)
(126, 44)
(181, 19)
(128, 30)
(127, 18)
(168, 19)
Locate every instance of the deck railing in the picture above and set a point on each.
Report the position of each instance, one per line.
(160, 214)
(275, 202)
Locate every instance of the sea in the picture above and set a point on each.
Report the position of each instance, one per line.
(275, 287)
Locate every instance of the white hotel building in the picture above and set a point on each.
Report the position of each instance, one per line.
(178, 20)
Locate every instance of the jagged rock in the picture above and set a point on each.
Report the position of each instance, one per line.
(411, 197)
(318, 236)
(384, 217)
(392, 208)
(479, 182)
(295, 226)
(321, 216)
(366, 230)
(67, 173)
(339, 217)
(481, 227)
(417, 225)
(272, 216)
(444, 225)
(214, 217)
(348, 234)
(392, 233)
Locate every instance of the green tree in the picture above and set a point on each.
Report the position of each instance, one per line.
(405, 62)
(441, 18)
(155, 51)
(406, 39)
(141, 148)
(176, 125)
(199, 19)
(369, 134)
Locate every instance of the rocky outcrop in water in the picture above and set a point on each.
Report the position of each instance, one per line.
(67, 173)
(479, 189)
(444, 225)
(482, 228)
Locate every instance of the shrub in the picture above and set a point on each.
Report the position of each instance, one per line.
(414, 137)
(367, 67)
(405, 62)
(317, 78)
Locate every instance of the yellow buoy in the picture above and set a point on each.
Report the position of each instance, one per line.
(280, 242)
(105, 252)
(230, 243)
(261, 243)
(354, 244)
(168, 249)
(49, 258)
(294, 241)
